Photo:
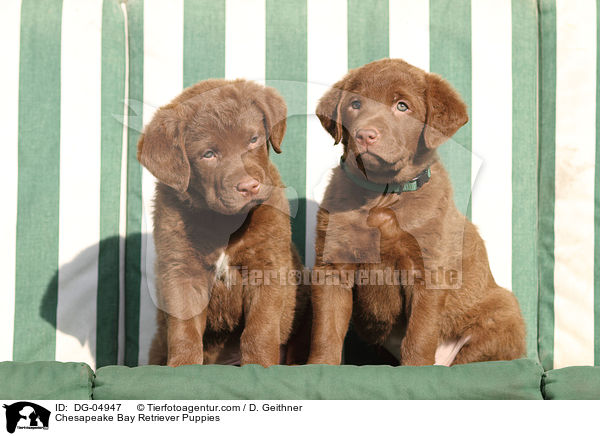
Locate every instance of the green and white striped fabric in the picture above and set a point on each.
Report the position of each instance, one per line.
(569, 332)
(73, 192)
(63, 88)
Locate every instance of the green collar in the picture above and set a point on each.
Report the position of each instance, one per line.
(396, 188)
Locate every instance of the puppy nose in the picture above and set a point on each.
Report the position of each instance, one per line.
(367, 137)
(248, 187)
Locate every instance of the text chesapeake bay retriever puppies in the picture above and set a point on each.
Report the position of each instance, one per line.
(389, 208)
(220, 216)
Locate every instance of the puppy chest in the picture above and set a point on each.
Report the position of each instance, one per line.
(225, 302)
(227, 275)
(348, 239)
(221, 269)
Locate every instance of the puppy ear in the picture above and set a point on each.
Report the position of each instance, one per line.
(274, 109)
(161, 150)
(329, 112)
(446, 112)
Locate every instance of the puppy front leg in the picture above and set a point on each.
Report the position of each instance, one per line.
(183, 298)
(332, 309)
(423, 330)
(260, 339)
(184, 338)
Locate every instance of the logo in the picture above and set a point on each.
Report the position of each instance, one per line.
(26, 415)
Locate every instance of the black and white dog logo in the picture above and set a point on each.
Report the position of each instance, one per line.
(26, 415)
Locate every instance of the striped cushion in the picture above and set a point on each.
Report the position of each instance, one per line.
(569, 332)
(63, 88)
(64, 219)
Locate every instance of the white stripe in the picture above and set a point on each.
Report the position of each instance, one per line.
(245, 42)
(327, 63)
(574, 188)
(123, 197)
(163, 81)
(492, 132)
(409, 32)
(79, 215)
(10, 27)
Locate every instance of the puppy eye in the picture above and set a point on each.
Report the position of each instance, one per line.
(355, 104)
(253, 139)
(209, 154)
(401, 106)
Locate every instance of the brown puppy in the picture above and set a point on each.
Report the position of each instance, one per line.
(221, 216)
(391, 117)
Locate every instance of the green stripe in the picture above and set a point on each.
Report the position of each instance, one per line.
(286, 63)
(450, 56)
(597, 202)
(133, 243)
(36, 280)
(524, 164)
(203, 40)
(547, 105)
(113, 89)
(368, 31)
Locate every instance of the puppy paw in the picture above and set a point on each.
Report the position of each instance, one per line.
(446, 352)
(324, 360)
(184, 359)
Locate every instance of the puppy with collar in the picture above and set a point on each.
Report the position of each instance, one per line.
(389, 207)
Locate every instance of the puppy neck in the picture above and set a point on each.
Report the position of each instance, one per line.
(388, 188)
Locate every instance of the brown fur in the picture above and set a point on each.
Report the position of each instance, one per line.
(200, 213)
(419, 231)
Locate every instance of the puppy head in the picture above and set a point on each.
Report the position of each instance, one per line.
(391, 116)
(211, 144)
